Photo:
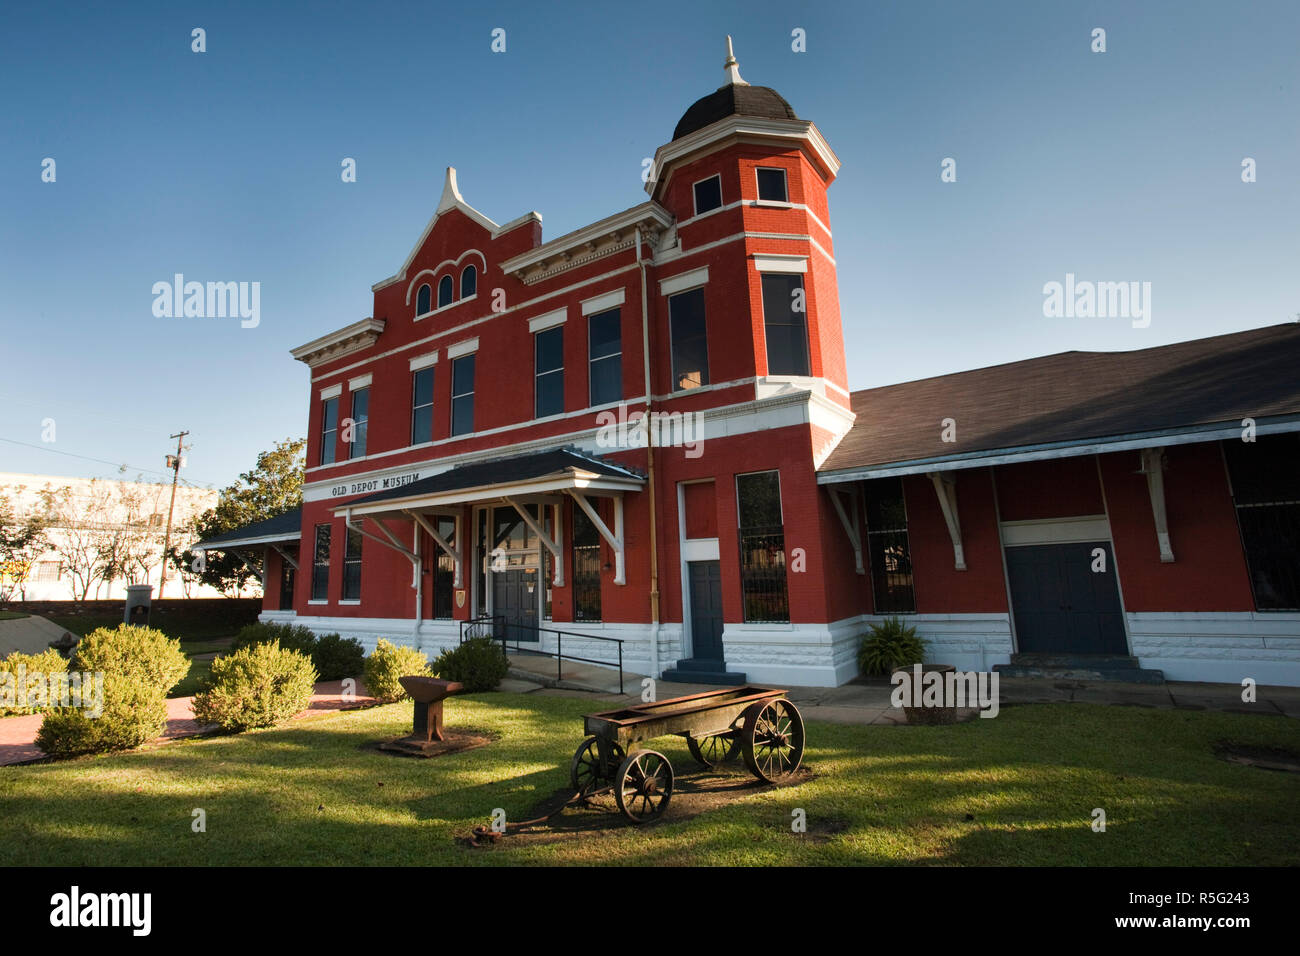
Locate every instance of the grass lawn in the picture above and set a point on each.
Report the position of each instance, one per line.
(11, 615)
(1018, 789)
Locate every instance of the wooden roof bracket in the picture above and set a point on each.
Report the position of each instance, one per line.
(945, 486)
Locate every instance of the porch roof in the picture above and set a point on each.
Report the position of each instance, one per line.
(536, 473)
(1075, 403)
(277, 530)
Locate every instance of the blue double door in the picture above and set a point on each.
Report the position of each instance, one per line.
(1065, 598)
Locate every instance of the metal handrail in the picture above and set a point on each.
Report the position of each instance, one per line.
(498, 622)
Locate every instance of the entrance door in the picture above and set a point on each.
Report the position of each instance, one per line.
(1063, 606)
(706, 610)
(515, 598)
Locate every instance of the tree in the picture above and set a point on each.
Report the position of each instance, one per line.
(273, 487)
(22, 540)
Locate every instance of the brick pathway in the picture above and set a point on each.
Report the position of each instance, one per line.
(18, 734)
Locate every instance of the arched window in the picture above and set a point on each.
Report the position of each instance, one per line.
(444, 291)
(468, 282)
(423, 300)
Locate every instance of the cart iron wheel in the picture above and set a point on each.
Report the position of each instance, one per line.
(644, 786)
(587, 773)
(711, 751)
(772, 739)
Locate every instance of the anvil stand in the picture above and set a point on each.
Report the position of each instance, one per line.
(426, 737)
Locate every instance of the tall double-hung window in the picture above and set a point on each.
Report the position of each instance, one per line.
(762, 548)
(1265, 478)
(548, 375)
(605, 341)
(888, 548)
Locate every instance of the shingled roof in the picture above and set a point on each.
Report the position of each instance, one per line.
(1077, 397)
(285, 527)
(502, 471)
(733, 100)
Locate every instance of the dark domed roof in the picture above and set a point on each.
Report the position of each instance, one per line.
(734, 99)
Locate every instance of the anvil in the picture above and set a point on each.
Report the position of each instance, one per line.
(428, 694)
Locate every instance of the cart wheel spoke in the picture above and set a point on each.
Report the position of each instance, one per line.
(773, 739)
(644, 786)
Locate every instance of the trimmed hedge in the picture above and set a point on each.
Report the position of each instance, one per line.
(334, 657)
(478, 664)
(46, 662)
(386, 664)
(139, 666)
(291, 637)
(337, 657)
(259, 686)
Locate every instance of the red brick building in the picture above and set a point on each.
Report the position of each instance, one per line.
(474, 451)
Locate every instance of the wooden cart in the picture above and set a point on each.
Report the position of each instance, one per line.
(757, 723)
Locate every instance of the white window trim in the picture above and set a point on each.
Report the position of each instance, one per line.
(349, 603)
(684, 281)
(461, 349)
(361, 381)
(603, 303)
(432, 293)
(721, 200)
(785, 176)
(424, 361)
(449, 306)
(549, 321)
(779, 262)
(334, 391)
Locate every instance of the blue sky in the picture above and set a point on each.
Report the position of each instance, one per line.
(224, 166)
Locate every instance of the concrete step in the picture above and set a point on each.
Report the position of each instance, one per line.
(693, 671)
(1091, 661)
(1082, 670)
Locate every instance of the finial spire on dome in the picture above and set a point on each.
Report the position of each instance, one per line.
(732, 67)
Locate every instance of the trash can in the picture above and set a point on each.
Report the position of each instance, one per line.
(138, 599)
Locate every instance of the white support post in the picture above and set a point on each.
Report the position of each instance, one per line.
(1153, 466)
(614, 539)
(440, 541)
(547, 542)
(557, 523)
(945, 486)
(850, 520)
(392, 541)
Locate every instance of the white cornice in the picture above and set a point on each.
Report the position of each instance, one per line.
(345, 341)
(804, 131)
(611, 234)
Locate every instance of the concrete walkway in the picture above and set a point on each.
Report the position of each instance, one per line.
(18, 734)
(868, 703)
(30, 635)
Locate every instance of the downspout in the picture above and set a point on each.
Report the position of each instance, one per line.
(650, 468)
(419, 583)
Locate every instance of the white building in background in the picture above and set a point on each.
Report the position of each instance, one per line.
(102, 522)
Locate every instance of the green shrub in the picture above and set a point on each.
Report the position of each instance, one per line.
(386, 664)
(337, 657)
(258, 686)
(291, 637)
(478, 664)
(141, 653)
(46, 662)
(890, 644)
(139, 665)
(135, 712)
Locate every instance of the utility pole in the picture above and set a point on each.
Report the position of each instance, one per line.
(174, 463)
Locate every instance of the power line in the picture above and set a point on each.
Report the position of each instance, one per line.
(101, 461)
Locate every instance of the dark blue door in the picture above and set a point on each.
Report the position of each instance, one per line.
(706, 610)
(1061, 604)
